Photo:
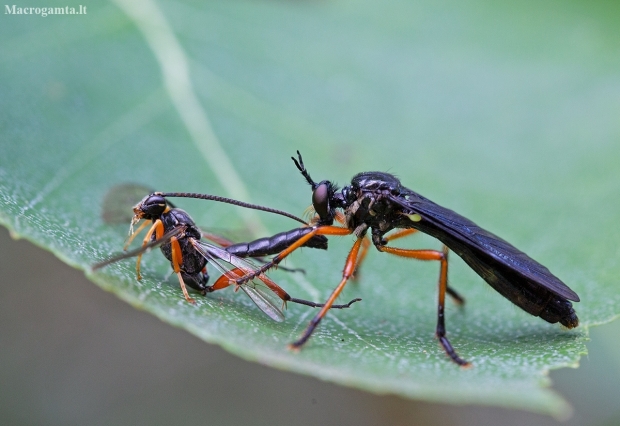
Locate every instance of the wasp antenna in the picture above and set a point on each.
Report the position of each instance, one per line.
(231, 201)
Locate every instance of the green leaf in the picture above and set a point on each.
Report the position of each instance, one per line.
(508, 116)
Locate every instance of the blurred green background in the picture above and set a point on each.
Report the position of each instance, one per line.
(507, 113)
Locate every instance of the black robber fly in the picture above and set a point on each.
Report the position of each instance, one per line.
(379, 203)
(174, 231)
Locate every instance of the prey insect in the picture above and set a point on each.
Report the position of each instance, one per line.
(174, 231)
(377, 203)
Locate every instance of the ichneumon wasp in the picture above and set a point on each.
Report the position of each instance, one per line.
(175, 232)
(379, 203)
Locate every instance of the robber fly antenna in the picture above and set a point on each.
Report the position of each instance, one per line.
(304, 172)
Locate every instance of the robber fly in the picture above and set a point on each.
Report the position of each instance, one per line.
(174, 231)
(379, 203)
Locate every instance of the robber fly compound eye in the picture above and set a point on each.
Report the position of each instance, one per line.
(320, 199)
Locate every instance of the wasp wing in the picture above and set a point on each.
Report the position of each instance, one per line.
(484, 251)
(264, 299)
(143, 249)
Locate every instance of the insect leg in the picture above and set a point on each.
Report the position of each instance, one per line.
(366, 246)
(261, 247)
(224, 281)
(282, 294)
(442, 257)
(320, 230)
(441, 326)
(134, 233)
(275, 244)
(458, 299)
(158, 230)
(320, 305)
(349, 268)
(226, 243)
(400, 233)
(262, 261)
(364, 252)
(177, 261)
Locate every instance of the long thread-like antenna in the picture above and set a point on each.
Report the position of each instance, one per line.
(230, 201)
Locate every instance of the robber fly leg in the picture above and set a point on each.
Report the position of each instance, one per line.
(442, 257)
(349, 268)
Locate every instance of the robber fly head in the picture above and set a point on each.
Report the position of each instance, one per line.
(324, 198)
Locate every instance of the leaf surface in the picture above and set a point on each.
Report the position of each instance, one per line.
(507, 116)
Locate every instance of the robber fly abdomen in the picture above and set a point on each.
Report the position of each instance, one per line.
(277, 243)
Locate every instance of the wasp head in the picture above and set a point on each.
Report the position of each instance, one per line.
(151, 207)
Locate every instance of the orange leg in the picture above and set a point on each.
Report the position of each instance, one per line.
(158, 230)
(225, 280)
(320, 230)
(366, 246)
(349, 268)
(340, 218)
(456, 297)
(134, 233)
(364, 252)
(399, 234)
(442, 257)
(177, 261)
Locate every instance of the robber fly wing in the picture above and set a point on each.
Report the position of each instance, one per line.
(477, 246)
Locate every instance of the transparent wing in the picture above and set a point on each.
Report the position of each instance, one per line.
(143, 249)
(263, 300)
(261, 295)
